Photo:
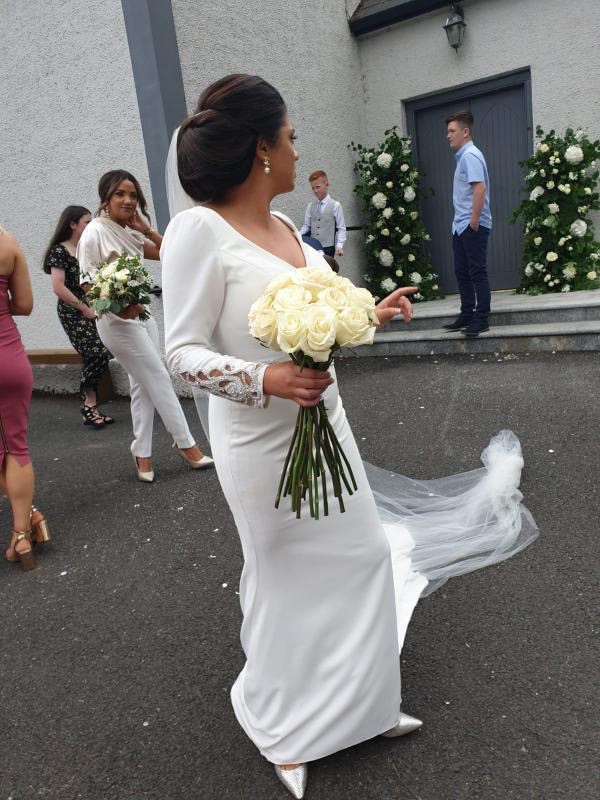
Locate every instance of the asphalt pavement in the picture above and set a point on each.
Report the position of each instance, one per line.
(118, 652)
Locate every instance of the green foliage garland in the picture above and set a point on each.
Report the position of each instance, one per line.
(394, 234)
(559, 250)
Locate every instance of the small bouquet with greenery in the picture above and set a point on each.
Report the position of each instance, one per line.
(309, 314)
(119, 284)
(560, 252)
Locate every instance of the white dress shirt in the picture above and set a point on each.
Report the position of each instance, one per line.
(338, 214)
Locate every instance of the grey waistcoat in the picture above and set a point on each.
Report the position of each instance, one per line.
(322, 226)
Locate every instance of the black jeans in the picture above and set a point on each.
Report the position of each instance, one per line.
(470, 268)
(329, 251)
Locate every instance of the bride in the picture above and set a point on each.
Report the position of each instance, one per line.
(325, 603)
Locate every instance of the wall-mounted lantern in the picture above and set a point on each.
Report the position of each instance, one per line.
(455, 26)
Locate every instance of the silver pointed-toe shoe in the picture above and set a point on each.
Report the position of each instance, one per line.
(294, 780)
(406, 724)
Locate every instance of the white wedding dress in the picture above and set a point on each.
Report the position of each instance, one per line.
(325, 603)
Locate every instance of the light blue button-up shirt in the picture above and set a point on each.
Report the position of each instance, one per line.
(470, 168)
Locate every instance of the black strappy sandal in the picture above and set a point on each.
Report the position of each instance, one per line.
(91, 416)
(104, 417)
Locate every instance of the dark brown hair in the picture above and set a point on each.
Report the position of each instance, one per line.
(63, 229)
(109, 183)
(465, 118)
(216, 146)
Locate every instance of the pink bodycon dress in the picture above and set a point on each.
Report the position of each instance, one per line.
(16, 383)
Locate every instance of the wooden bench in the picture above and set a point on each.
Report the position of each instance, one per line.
(105, 390)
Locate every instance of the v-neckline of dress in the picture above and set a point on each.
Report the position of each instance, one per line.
(258, 247)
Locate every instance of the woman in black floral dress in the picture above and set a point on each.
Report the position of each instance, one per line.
(77, 318)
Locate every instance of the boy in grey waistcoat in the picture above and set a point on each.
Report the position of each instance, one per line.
(324, 217)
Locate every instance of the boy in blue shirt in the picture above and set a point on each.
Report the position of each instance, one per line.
(471, 227)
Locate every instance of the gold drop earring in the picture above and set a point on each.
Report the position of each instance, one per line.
(267, 163)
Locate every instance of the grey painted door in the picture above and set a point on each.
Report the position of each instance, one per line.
(502, 130)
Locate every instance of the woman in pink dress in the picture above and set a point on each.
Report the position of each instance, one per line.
(16, 382)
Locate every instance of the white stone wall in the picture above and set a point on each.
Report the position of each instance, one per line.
(307, 52)
(69, 113)
(557, 40)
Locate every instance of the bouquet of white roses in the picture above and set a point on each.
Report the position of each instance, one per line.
(121, 283)
(309, 314)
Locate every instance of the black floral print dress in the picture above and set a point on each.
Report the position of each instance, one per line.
(82, 332)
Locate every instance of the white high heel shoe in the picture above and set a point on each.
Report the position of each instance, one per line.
(406, 724)
(204, 462)
(294, 780)
(145, 477)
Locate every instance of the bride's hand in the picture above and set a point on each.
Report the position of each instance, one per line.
(284, 379)
(132, 312)
(394, 304)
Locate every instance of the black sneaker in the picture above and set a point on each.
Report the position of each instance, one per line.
(476, 327)
(459, 323)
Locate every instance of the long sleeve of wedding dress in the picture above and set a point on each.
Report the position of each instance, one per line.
(190, 328)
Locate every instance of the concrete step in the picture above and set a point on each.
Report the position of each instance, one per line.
(508, 309)
(532, 337)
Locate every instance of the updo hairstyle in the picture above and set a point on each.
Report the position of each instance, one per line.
(216, 146)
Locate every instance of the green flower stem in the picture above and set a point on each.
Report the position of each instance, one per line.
(286, 462)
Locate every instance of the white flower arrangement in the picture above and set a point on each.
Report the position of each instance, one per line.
(379, 200)
(574, 154)
(119, 284)
(384, 160)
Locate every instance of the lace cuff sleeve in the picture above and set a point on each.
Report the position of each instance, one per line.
(233, 380)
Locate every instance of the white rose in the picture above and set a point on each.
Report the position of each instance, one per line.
(386, 259)
(537, 241)
(388, 285)
(361, 298)
(334, 297)
(370, 238)
(292, 298)
(591, 276)
(415, 278)
(550, 185)
(405, 239)
(263, 322)
(544, 148)
(551, 256)
(578, 228)
(547, 277)
(342, 283)
(291, 332)
(122, 275)
(543, 173)
(411, 257)
(313, 279)
(574, 154)
(379, 200)
(529, 270)
(280, 282)
(561, 241)
(565, 188)
(389, 185)
(385, 232)
(384, 160)
(387, 212)
(414, 214)
(536, 192)
(587, 190)
(404, 168)
(553, 208)
(104, 291)
(108, 270)
(399, 273)
(354, 327)
(409, 194)
(320, 322)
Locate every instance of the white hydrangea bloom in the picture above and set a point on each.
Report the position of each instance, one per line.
(415, 278)
(386, 259)
(569, 271)
(379, 200)
(536, 192)
(387, 212)
(574, 154)
(409, 194)
(578, 228)
(553, 208)
(388, 285)
(384, 160)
